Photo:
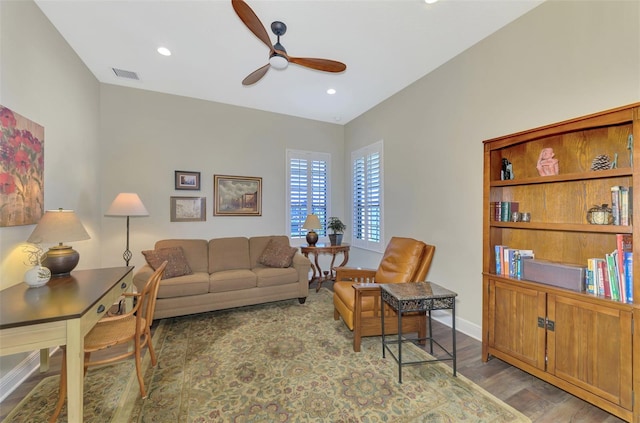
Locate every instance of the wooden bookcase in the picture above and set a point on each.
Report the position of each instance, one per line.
(584, 344)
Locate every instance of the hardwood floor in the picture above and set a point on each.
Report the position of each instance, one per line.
(541, 402)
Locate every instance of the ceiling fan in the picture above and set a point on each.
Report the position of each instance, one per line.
(278, 57)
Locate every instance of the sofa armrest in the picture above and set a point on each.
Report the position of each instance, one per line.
(354, 274)
(300, 260)
(302, 266)
(141, 277)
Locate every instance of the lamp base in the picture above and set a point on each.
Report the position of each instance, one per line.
(61, 260)
(312, 238)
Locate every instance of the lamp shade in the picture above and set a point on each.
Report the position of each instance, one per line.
(127, 204)
(312, 222)
(58, 226)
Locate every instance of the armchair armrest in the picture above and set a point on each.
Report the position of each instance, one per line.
(354, 274)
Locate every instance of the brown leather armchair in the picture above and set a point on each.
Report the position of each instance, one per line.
(356, 296)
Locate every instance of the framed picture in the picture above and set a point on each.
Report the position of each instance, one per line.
(188, 209)
(237, 195)
(21, 169)
(187, 180)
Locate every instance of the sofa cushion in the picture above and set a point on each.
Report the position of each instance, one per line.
(277, 254)
(272, 276)
(232, 280)
(195, 250)
(183, 286)
(228, 254)
(177, 263)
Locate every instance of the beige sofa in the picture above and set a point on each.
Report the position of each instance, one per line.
(226, 273)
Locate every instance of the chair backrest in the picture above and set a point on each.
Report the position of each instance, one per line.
(405, 260)
(149, 295)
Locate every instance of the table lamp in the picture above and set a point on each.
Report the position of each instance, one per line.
(59, 226)
(127, 204)
(312, 222)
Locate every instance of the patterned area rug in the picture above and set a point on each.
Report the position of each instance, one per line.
(106, 390)
(284, 362)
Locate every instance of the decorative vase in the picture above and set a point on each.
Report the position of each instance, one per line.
(335, 239)
(37, 276)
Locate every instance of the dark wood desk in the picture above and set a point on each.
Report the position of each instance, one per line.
(61, 313)
(323, 248)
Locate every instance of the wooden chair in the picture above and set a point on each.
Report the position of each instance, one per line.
(356, 296)
(134, 326)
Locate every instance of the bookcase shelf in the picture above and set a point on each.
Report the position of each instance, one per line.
(582, 343)
(565, 227)
(603, 174)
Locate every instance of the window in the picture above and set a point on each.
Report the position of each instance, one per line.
(366, 168)
(307, 190)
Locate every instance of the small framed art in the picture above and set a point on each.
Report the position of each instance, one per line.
(237, 195)
(187, 180)
(188, 209)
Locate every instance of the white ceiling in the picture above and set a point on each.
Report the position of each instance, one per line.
(386, 45)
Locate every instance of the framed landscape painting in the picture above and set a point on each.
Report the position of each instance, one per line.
(187, 180)
(21, 169)
(237, 195)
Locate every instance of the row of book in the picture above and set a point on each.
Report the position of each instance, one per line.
(612, 276)
(621, 204)
(501, 211)
(509, 260)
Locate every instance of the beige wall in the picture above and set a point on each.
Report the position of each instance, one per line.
(42, 79)
(563, 59)
(146, 136)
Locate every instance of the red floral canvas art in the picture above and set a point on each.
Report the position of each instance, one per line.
(21, 169)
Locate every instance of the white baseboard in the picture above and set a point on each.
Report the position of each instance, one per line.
(464, 326)
(14, 377)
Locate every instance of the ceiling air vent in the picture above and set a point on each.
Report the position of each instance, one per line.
(125, 74)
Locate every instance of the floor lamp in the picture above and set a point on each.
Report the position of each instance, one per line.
(127, 204)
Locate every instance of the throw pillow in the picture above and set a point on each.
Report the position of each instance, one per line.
(177, 263)
(277, 254)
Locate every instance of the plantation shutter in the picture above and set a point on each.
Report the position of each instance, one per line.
(367, 197)
(308, 190)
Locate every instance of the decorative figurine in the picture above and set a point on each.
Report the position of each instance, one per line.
(547, 164)
(506, 172)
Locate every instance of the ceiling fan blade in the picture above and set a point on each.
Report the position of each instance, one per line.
(246, 15)
(256, 75)
(324, 65)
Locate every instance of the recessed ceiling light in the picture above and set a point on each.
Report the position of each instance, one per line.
(331, 91)
(430, 1)
(164, 51)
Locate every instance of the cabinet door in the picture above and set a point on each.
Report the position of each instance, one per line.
(515, 311)
(590, 346)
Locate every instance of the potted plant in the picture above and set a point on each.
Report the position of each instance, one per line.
(337, 228)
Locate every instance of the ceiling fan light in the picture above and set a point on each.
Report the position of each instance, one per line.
(278, 61)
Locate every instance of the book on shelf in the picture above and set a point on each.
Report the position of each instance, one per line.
(621, 205)
(501, 211)
(614, 286)
(625, 215)
(615, 204)
(624, 244)
(509, 260)
(604, 289)
(590, 284)
(628, 276)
